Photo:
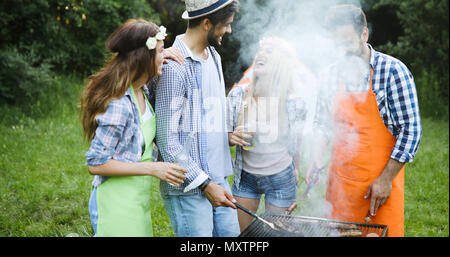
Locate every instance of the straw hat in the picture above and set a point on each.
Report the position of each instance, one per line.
(199, 8)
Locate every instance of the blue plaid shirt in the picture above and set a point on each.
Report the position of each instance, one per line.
(118, 135)
(397, 102)
(179, 110)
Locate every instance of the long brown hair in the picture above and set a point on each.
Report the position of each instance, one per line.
(131, 60)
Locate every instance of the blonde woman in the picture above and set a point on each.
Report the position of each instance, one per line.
(263, 115)
(119, 122)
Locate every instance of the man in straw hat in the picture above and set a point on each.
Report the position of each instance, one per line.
(190, 110)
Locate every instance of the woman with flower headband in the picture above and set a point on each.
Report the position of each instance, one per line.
(265, 117)
(119, 122)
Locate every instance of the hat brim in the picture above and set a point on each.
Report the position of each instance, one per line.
(185, 14)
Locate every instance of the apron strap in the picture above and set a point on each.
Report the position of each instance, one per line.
(136, 102)
(341, 84)
(371, 78)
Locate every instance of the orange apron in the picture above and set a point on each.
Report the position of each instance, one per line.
(246, 79)
(361, 149)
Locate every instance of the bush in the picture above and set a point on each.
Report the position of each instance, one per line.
(62, 36)
(21, 82)
(68, 34)
(61, 92)
(423, 46)
(431, 102)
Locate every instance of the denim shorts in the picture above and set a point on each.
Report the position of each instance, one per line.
(280, 189)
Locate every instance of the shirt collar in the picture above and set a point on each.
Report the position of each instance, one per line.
(128, 92)
(145, 88)
(178, 43)
(187, 53)
(373, 54)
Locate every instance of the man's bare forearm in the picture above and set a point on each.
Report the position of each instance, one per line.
(391, 170)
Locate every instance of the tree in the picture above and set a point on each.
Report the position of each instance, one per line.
(170, 12)
(423, 46)
(61, 36)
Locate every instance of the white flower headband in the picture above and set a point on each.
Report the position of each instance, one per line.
(151, 41)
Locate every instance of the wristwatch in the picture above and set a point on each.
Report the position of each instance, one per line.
(204, 184)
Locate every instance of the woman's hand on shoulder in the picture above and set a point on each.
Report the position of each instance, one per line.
(174, 54)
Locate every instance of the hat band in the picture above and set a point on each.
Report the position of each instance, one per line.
(207, 9)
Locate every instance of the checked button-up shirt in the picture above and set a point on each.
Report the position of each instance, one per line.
(179, 110)
(396, 94)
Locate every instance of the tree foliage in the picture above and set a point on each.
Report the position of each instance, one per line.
(423, 46)
(414, 31)
(39, 38)
(170, 12)
(62, 36)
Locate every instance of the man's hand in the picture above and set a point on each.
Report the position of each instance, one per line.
(318, 160)
(174, 54)
(313, 175)
(218, 196)
(380, 189)
(291, 208)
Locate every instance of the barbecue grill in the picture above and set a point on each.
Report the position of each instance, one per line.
(301, 226)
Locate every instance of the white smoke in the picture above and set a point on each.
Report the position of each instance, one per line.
(301, 22)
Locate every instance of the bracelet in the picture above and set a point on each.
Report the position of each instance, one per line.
(204, 184)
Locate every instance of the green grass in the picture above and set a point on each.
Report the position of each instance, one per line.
(427, 189)
(45, 185)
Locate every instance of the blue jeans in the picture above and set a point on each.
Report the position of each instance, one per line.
(280, 189)
(194, 216)
(93, 211)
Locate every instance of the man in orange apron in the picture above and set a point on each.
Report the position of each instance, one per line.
(375, 131)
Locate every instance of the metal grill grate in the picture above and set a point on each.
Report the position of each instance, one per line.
(300, 226)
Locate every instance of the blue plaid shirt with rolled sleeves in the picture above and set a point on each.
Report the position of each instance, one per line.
(179, 110)
(395, 90)
(118, 135)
